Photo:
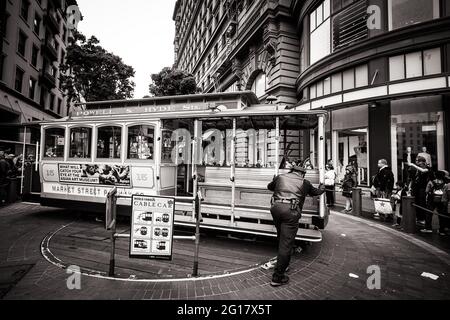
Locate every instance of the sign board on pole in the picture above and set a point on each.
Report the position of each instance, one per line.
(152, 222)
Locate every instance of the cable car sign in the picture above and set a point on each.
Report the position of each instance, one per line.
(152, 227)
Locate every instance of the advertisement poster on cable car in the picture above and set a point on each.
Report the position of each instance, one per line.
(115, 175)
(152, 223)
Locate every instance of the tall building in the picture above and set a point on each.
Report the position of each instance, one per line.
(380, 67)
(34, 38)
(238, 45)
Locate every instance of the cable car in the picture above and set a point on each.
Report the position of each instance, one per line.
(227, 145)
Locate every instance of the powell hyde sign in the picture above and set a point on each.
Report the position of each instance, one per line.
(145, 109)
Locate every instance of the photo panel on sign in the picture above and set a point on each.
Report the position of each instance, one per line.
(141, 246)
(162, 219)
(140, 231)
(161, 233)
(161, 247)
(143, 217)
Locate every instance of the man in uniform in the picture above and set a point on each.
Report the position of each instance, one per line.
(289, 192)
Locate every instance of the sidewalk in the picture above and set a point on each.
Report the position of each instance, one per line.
(368, 211)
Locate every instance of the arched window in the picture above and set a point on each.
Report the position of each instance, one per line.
(140, 142)
(54, 142)
(80, 142)
(108, 142)
(259, 85)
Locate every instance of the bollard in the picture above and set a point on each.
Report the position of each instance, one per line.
(357, 201)
(408, 223)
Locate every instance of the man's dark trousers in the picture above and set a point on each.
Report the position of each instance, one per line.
(286, 222)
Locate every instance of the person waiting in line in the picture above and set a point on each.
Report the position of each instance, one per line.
(289, 193)
(384, 180)
(418, 186)
(348, 183)
(4, 174)
(437, 200)
(396, 200)
(330, 181)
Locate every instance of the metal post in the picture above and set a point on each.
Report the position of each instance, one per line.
(112, 261)
(357, 201)
(233, 171)
(321, 160)
(198, 199)
(408, 223)
(23, 160)
(110, 220)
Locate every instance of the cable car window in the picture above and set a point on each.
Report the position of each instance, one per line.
(54, 143)
(80, 142)
(109, 142)
(141, 142)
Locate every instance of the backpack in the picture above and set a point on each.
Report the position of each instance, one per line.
(437, 190)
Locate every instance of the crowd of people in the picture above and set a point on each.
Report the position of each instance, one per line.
(430, 189)
(10, 168)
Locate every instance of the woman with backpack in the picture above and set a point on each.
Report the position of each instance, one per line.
(437, 200)
(348, 183)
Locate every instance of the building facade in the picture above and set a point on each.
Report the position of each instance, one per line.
(381, 68)
(34, 38)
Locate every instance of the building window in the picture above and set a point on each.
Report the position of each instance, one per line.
(54, 142)
(336, 82)
(52, 102)
(350, 127)
(24, 9)
(37, 24)
(19, 79)
(415, 64)
(59, 110)
(64, 34)
(21, 46)
(349, 79)
(32, 91)
(259, 85)
(421, 119)
(408, 12)
(4, 24)
(320, 32)
(349, 25)
(80, 142)
(432, 61)
(361, 76)
(34, 55)
(2, 64)
(43, 99)
(109, 142)
(140, 142)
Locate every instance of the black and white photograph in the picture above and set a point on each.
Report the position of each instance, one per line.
(225, 156)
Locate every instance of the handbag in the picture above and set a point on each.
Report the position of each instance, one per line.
(383, 206)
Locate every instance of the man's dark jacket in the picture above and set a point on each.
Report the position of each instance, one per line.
(293, 186)
(384, 180)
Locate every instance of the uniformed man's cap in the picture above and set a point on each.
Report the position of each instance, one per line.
(299, 169)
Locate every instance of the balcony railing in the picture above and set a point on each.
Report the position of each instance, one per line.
(49, 50)
(47, 79)
(50, 20)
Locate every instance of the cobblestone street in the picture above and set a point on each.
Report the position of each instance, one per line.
(336, 268)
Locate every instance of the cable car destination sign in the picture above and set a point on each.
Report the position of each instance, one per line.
(152, 223)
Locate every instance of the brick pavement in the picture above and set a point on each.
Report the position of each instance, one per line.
(322, 272)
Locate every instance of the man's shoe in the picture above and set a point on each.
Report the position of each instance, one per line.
(279, 282)
(426, 231)
(422, 222)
